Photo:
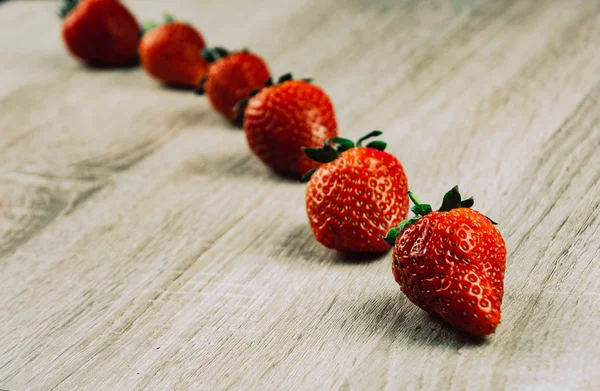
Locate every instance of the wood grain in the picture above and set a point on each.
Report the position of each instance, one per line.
(142, 246)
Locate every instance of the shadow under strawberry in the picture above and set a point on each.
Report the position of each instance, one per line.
(175, 88)
(358, 258)
(395, 319)
(108, 68)
(298, 243)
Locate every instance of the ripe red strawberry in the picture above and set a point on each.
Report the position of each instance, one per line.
(231, 77)
(101, 33)
(356, 196)
(171, 53)
(280, 119)
(451, 263)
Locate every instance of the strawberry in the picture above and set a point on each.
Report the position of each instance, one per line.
(280, 119)
(450, 262)
(171, 53)
(102, 33)
(232, 77)
(356, 196)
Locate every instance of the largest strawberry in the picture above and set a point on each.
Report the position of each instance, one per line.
(281, 118)
(101, 33)
(451, 262)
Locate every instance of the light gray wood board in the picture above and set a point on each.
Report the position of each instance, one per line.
(143, 246)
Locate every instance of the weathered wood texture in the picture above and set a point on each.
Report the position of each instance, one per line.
(143, 246)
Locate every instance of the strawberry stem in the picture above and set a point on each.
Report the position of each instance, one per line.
(374, 133)
(413, 198)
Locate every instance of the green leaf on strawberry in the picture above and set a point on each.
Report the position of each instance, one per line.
(334, 147)
(452, 200)
(67, 6)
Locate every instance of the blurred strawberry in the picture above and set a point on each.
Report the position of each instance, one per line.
(171, 53)
(282, 118)
(102, 33)
(230, 78)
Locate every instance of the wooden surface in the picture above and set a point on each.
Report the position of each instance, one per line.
(142, 246)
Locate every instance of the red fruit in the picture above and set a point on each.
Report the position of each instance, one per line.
(171, 53)
(282, 118)
(231, 78)
(353, 200)
(101, 33)
(451, 263)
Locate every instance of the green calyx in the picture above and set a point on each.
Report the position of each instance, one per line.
(240, 107)
(211, 55)
(452, 200)
(66, 7)
(147, 26)
(333, 147)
